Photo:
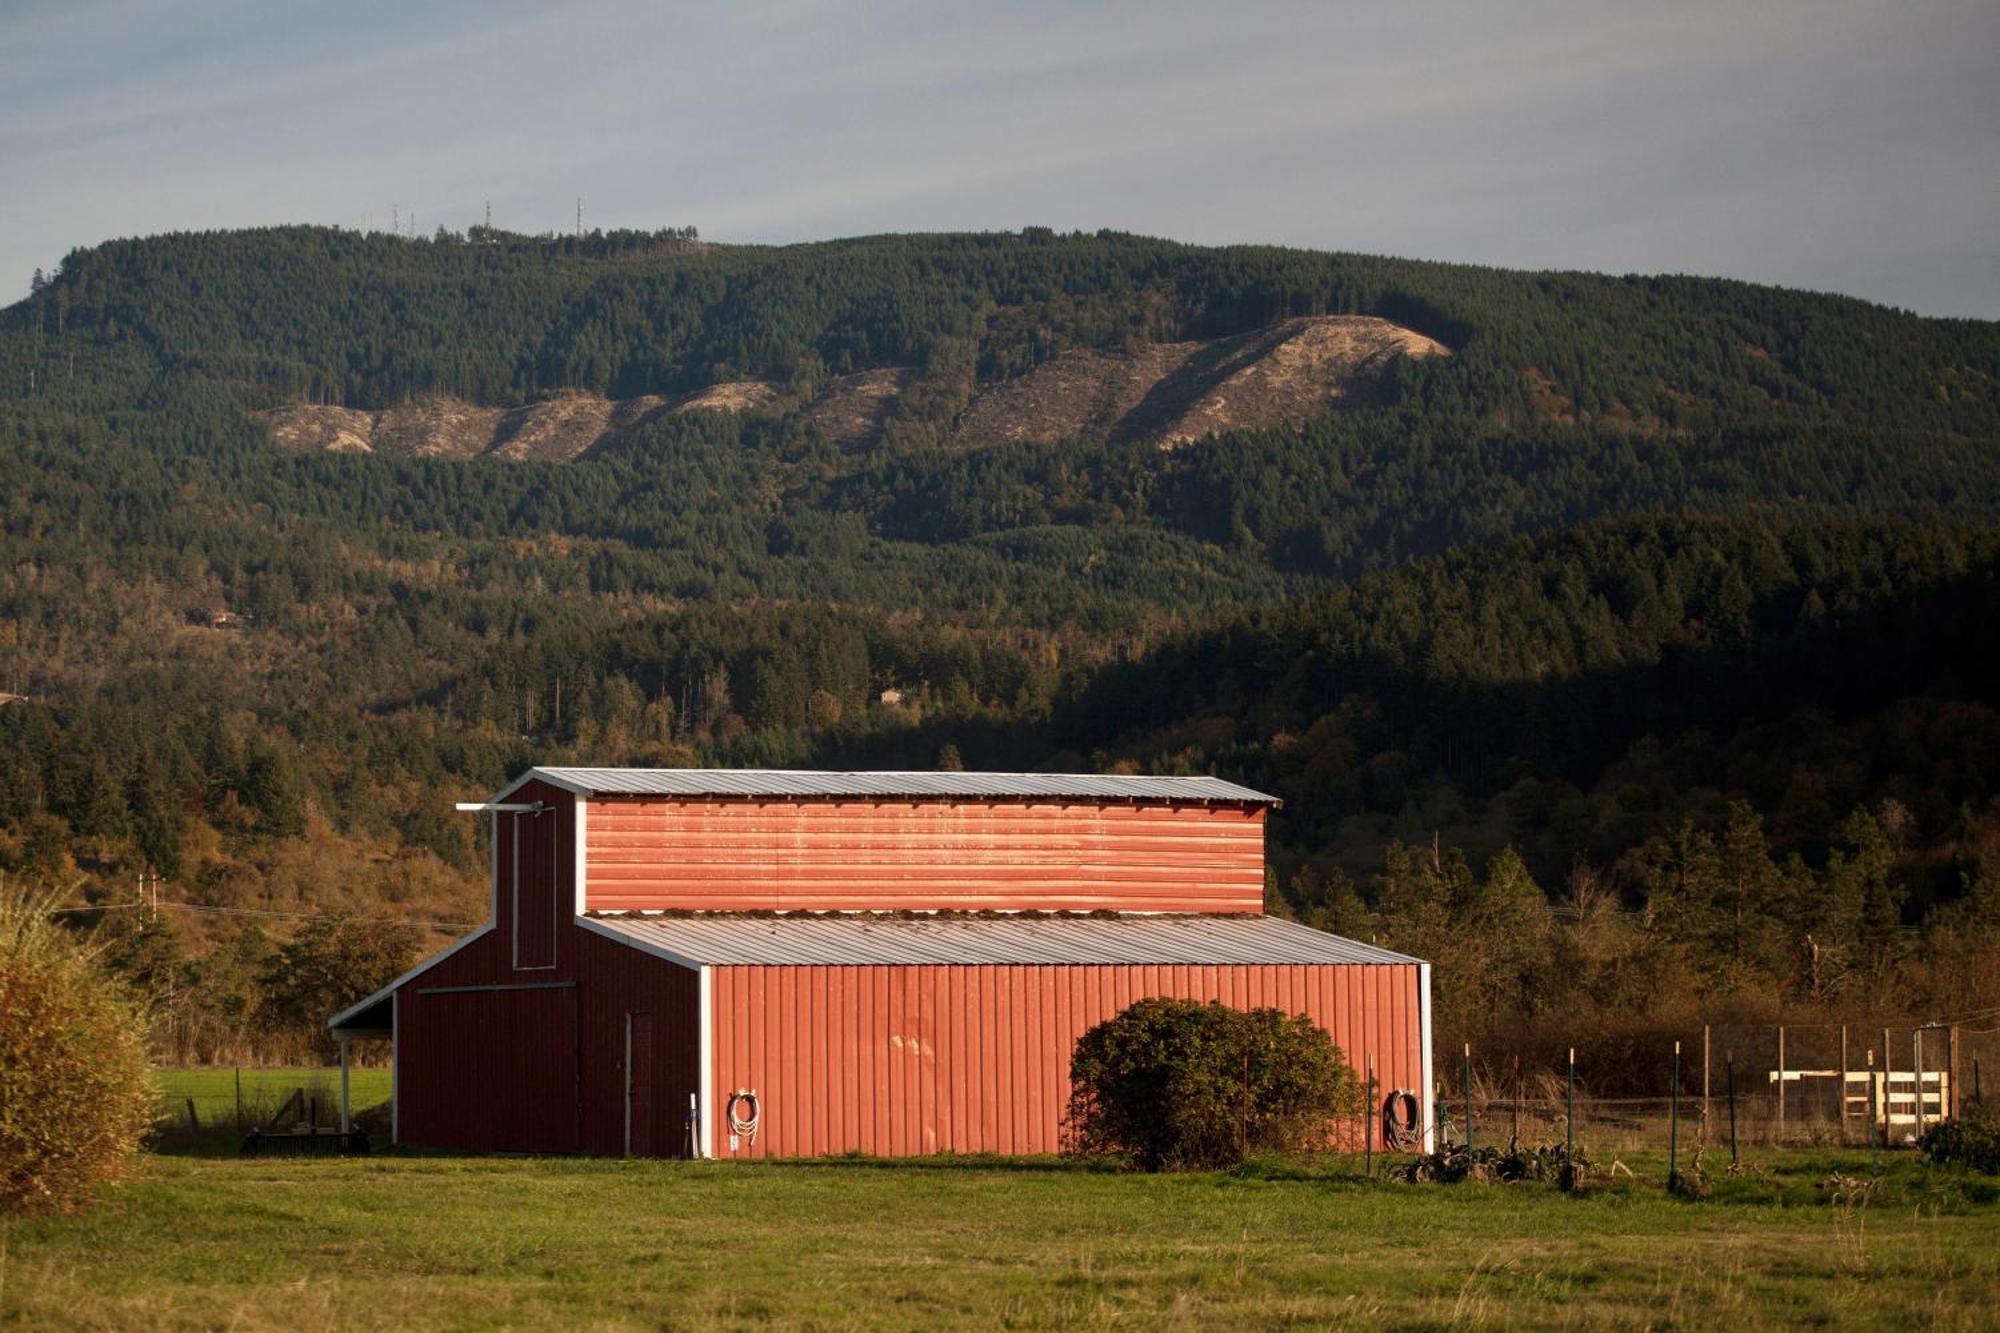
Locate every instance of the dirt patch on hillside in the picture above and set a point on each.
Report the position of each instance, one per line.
(308, 428)
(732, 396)
(1175, 393)
(1170, 393)
(852, 410)
(554, 430)
(439, 427)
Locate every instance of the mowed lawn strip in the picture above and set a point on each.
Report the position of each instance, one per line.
(469, 1242)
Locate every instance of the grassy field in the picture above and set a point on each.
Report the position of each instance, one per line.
(469, 1242)
(214, 1091)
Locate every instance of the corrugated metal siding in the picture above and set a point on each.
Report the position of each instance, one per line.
(616, 980)
(492, 1070)
(534, 877)
(863, 940)
(756, 855)
(900, 1060)
(754, 782)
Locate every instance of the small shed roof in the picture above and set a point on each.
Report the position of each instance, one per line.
(853, 940)
(755, 782)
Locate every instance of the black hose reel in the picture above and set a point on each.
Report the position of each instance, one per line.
(1401, 1117)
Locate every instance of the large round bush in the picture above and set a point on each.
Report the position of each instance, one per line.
(1179, 1084)
(75, 1090)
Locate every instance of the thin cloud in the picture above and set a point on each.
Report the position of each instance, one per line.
(1834, 144)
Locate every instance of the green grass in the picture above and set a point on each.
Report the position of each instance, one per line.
(471, 1242)
(214, 1091)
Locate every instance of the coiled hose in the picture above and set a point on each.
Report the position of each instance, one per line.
(744, 1111)
(1400, 1114)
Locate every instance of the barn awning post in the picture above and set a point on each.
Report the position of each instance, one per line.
(346, 1122)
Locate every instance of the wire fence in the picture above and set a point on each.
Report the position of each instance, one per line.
(1723, 1087)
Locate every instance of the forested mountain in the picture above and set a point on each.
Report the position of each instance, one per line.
(1633, 578)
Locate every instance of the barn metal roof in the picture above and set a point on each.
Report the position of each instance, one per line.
(791, 782)
(853, 940)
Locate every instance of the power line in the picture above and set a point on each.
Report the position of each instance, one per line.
(258, 911)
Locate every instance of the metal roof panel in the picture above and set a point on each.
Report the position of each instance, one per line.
(750, 782)
(867, 939)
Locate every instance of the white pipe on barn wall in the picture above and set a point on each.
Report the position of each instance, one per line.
(705, 1017)
(1424, 1097)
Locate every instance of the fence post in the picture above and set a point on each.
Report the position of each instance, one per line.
(1368, 1121)
(1515, 1128)
(1952, 1058)
(194, 1121)
(1843, 1085)
(1704, 1083)
(1779, 1137)
(1917, 1074)
(1729, 1075)
(239, 1099)
(1468, 1096)
(1874, 1142)
(1674, 1122)
(1888, 1068)
(1569, 1120)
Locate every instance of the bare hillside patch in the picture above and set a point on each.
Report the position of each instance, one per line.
(1177, 392)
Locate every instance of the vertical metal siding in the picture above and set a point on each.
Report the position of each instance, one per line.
(827, 855)
(900, 1061)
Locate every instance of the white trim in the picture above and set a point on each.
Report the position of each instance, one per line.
(543, 775)
(596, 927)
(509, 807)
(555, 898)
(395, 1070)
(418, 970)
(1429, 1090)
(704, 1134)
(580, 833)
(514, 890)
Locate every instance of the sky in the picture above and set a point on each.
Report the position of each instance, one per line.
(1839, 145)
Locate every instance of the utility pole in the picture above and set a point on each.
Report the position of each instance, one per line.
(579, 217)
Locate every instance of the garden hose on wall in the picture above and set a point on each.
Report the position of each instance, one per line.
(1400, 1112)
(744, 1111)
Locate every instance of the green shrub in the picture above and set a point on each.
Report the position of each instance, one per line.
(1972, 1140)
(1180, 1085)
(75, 1091)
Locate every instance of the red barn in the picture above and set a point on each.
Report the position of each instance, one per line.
(721, 962)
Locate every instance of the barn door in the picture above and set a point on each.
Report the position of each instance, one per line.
(491, 1068)
(638, 1085)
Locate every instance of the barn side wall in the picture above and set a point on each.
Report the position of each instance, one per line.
(899, 1061)
(516, 1043)
(647, 854)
